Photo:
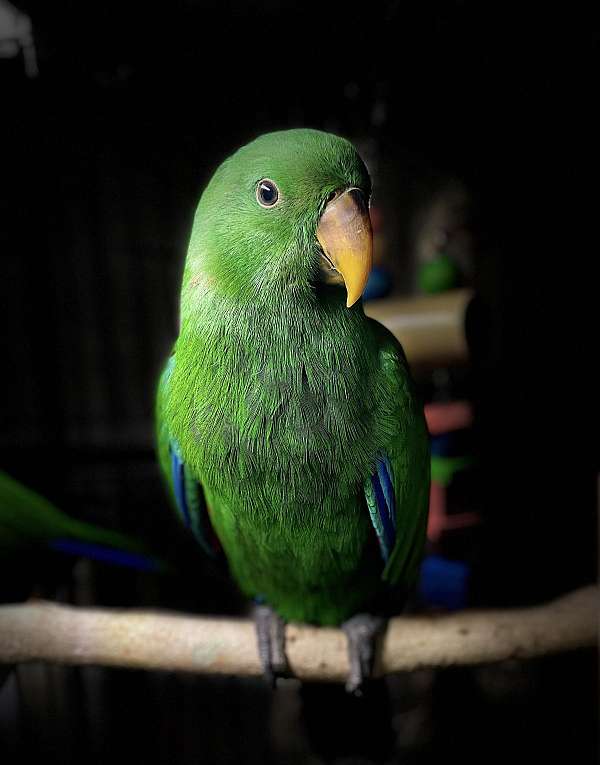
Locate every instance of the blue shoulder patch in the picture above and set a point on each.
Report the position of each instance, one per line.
(381, 501)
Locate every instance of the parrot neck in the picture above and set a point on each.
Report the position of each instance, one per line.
(295, 323)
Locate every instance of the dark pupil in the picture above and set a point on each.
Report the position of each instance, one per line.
(268, 193)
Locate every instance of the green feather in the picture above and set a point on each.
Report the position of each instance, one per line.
(280, 398)
(29, 521)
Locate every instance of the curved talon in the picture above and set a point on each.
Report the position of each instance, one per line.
(362, 632)
(270, 634)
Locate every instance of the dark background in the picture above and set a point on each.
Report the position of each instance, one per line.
(105, 155)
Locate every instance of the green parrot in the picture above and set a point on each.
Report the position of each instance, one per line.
(288, 429)
(30, 523)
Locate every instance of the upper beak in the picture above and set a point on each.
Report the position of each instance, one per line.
(345, 234)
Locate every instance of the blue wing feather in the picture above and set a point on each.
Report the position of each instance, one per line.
(106, 554)
(384, 472)
(178, 478)
(381, 501)
(186, 490)
(190, 502)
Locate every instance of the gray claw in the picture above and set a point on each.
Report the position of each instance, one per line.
(362, 631)
(270, 633)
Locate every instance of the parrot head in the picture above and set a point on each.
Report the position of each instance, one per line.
(285, 216)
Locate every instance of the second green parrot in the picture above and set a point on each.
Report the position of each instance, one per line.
(288, 428)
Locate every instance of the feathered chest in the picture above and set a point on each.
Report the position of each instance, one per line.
(279, 418)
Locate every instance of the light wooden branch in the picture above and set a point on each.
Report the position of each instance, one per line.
(43, 631)
(431, 328)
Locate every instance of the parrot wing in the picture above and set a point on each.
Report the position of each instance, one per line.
(185, 491)
(28, 520)
(397, 493)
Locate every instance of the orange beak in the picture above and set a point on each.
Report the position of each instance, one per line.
(346, 237)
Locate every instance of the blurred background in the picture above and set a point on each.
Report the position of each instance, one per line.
(469, 116)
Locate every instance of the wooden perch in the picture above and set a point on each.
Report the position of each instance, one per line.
(42, 631)
(431, 328)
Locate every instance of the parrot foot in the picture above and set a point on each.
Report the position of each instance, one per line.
(362, 631)
(270, 633)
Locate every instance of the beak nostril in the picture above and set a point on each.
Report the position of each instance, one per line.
(338, 193)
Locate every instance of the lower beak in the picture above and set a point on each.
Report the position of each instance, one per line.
(346, 237)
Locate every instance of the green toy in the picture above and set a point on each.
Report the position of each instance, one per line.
(288, 429)
(438, 275)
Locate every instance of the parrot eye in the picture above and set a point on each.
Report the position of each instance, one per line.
(267, 193)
